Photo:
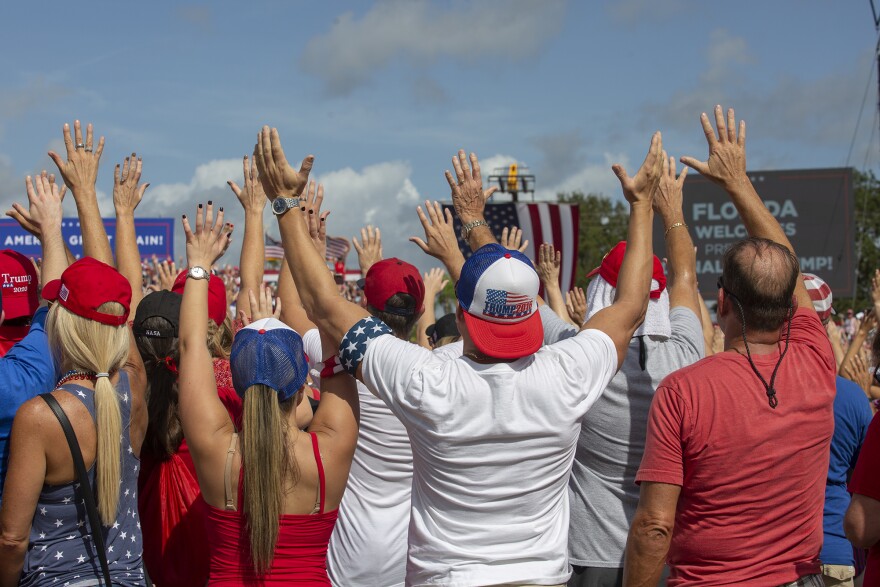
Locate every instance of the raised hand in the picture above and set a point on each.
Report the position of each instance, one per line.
(23, 215)
(435, 280)
(576, 304)
(668, 195)
(440, 241)
(210, 239)
(252, 197)
(317, 220)
(369, 249)
(726, 164)
(641, 186)
(511, 239)
(279, 179)
(261, 306)
(80, 171)
(468, 196)
(127, 194)
(857, 371)
(45, 204)
(166, 273)
(549, 261)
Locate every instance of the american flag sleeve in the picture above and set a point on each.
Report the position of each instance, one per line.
(355, 342)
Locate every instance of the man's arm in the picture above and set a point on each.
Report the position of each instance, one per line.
(469, 198)
(682, 259)
(333, 315)
(650, 534)
(862, 522)
(726, 166)
(440, 241)
(620, 320)
(80, 172)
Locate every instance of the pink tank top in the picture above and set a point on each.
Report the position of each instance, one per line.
(300, 553)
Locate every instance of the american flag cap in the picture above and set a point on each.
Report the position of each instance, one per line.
(820, 294)
(271, 353)
(498, 291)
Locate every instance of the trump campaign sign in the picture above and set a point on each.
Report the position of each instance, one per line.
(155, 236)
(814, 207)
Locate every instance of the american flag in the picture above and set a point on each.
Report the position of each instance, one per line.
(337, 248)
(274, 250)
(541, 222)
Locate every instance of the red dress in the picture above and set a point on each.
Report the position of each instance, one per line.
(300, 552)
(171, 508)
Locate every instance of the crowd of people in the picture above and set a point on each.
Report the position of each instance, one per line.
(185, 424)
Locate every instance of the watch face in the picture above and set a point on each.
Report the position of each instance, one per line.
(279, 205)
(197, 272)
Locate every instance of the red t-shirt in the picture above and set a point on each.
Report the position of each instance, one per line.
(865, 481)
(752, 477)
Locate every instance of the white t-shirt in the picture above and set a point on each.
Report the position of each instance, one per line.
(492, 451)
(369, 542)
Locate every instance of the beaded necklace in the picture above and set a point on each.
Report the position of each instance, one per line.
(74, 375)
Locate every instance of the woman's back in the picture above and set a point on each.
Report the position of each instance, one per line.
(301, 547)
(60, 548)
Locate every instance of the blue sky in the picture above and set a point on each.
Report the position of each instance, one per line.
(384, 93)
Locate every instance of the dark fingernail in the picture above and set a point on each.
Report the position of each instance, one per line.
(200, 205)
(183, 216)
(210, 202)
(323, 219)
(303, 208)
(311, 211)
(221, 208)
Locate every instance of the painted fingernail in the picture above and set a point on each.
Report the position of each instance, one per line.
(200, 205)
(183, 216)
(221, 208)
(311, 211)
(303, 208)
(210, 202)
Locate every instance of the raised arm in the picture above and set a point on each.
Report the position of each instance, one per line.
(469, 199)
(333, 315)
(440, 241)
(369, 248)
(547, 266)
(435, 280)
(127, 194)
(682, 259)
(620, 320)
(80, 173)
(253, 247)
(28, 222)
(205, 420)
(46, 211)
(726, 166)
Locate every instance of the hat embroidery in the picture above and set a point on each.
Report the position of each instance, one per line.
(63, 293)
(506, 305)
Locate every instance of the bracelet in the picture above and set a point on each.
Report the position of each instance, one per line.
(676, 225)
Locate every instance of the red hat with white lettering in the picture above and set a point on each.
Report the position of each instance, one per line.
(19, 283)
(609, 269)
(86, 285)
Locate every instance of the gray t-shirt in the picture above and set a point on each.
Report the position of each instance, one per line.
(602, 491)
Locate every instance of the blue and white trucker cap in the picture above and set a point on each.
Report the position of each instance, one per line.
(271, 353)
(498, 292)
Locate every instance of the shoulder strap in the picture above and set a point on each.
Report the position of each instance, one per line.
(85, 486)
(227, 477)
(320, 471)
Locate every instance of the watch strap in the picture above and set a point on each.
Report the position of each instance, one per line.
(467, 228)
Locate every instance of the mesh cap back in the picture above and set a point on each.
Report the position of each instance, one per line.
(270, 353)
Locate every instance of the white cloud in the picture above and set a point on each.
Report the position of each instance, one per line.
(596, 178)
(354, 49)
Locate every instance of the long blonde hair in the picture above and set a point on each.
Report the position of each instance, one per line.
(86, 345)
(266, 462)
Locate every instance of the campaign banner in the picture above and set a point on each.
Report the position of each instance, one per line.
(155, 236)
(814, 207)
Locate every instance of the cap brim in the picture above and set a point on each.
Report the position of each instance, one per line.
(506, 341)
(51, 289)
(593, 273)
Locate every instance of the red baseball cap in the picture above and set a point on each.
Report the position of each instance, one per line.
(216, 296)
(18, 285)
(609, 269)
(393, 276)
(85, 285)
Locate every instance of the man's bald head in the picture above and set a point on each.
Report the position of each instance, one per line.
(762, 275)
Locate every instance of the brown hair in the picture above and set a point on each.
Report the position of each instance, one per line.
(266, 462)
(401, 326)
(164, 430)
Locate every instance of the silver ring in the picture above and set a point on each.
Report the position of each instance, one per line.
(87, 150)
(80, 146)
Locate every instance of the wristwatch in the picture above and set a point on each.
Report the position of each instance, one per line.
(467, 228)
(282, 205)
(198, 273)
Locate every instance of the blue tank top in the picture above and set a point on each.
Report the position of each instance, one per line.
(61, 548)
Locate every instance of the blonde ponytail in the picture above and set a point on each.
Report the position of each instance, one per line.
(83, 344)
(265, 461)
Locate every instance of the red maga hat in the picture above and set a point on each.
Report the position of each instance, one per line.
(18, 285)
(393, 276)
(609, 269)
(85, 285)
(216, 296)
